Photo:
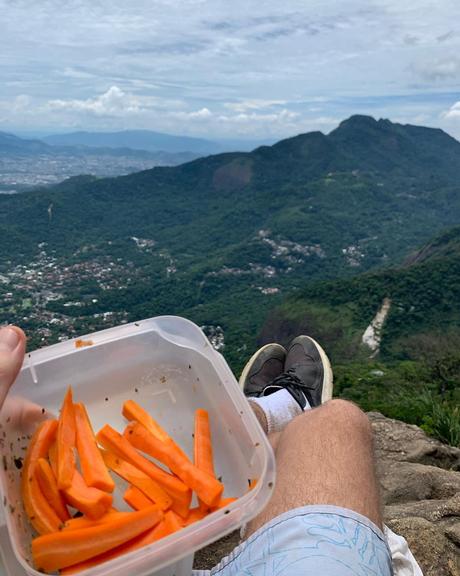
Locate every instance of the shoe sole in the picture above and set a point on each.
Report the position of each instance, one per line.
(251, 361)
(328, 376)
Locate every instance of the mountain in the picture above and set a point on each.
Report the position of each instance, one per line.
(152, 141)
(224, 239)
(137, 140)
(393, 335)
(27, 163)
(13, 145)
(10, 144)
(423, 297)
(404, 149)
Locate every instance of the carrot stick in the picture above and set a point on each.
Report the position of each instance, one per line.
(148, 537)
(173, 522)
(92, 502)
(85, 522)
(92, 465)
(42, 517)
(209, 489)
(48, 485)
(170, 524)
(203, 447)
(160, 531)
(195, 515)
(136, 498)
(52, 457)
(54, 551)
(132, 411)
(66, 443)
(136, 477)
(135, 413)
(118, 445)
(223, 502)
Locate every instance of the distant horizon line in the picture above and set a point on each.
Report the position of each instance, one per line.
(22, 133)
(43, 133)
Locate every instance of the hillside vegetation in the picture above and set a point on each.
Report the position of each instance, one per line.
(225, 239)
(415, 373)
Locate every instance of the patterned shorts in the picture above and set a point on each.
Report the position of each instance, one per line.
(311, 541)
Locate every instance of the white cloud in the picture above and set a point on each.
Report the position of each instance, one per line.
(453, 113)
(254, 104)
(194, 115)
(225, 68)
(445, 68)
(282, 116)
(113, 102)
(21, 102)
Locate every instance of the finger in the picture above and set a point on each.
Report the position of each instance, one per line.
(22, 414)
(12, 350)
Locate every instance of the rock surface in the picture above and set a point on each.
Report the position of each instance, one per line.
(420, 479)
(420, 482)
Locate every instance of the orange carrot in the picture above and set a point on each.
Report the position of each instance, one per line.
(202, 446)
(41, 515)
(55, 551)
(132, 411)
(136, 477)
(136, 498)
(208, 488)
(252, 483)
(173, 522)
(92, 502)
(195, 515)
(159, 531)
(66, 443)
(85, 522)
(223, 502)
(92, 465)
(135, 413)
(52, 457)
(48, 485)
(118, 445)
(79, 343)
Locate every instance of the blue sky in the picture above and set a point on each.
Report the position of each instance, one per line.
(222, 69)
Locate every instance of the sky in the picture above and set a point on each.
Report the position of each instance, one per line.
(260, 69)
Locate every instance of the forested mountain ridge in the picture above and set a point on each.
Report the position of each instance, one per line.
(406, 366)
(223, 239)
(424, 306)
(13, 145)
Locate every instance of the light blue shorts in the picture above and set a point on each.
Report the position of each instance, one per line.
(311, 541)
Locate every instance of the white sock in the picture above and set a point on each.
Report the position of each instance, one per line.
(279, 408)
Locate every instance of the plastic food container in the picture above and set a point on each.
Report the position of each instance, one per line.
(169, 367)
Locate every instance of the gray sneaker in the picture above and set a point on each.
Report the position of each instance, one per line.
(307, 373)
(263, 367)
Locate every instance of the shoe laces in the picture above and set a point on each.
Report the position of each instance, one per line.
(284, 380)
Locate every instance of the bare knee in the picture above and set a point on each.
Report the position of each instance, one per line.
(338, 417)
(347, 413)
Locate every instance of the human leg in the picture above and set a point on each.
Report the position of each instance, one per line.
(324, 516)
(325, 456)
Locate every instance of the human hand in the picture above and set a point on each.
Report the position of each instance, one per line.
(19, 413)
